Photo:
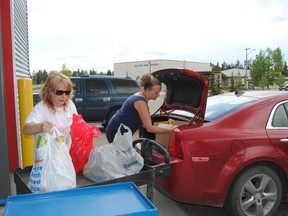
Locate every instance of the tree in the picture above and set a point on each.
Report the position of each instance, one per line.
(66, 71)
(263, 82)
(232, 87)
(216, 67)
(284, 71)
(93, 72)
(238, 64)
(109, 73)
(259, 66)
(267, 68)
(224, 66)
(214, 83)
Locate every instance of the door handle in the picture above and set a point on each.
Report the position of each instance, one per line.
(285, 140)
(106, 99)
(78, 99)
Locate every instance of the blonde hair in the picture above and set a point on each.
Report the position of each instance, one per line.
(147, 81)
(49, 87)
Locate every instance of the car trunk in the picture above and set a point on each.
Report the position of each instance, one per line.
(186, 91)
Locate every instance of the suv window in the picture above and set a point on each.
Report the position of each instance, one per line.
(76, 87)
(125, 86)
(96, 87)
(97, 98)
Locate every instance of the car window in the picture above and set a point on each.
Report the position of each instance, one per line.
(221, 105)
(125, 86)
(96, 87)
(280, 118)
(76, 87)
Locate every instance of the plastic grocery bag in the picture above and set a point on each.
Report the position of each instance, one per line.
(82, 135)
(114, 160)
(53, 169)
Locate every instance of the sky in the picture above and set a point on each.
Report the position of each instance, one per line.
(95, 34)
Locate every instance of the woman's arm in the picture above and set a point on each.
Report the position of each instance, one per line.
(145, 117)
(32, 128)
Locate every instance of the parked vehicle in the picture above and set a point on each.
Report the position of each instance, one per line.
(97, 98)
(231, 150)
(284, 87)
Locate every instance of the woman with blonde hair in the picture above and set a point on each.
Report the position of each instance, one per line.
(55, 108)
(135, 111)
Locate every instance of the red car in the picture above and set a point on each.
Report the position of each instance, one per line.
(232, 150)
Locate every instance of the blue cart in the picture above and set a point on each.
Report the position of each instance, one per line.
(115, 199)
(146, 176)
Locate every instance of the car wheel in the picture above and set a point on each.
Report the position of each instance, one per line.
(257, 191)
(286, 88)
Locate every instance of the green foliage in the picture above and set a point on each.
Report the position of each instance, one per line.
(267, 68)
(109, 73)
(214, 84)
(263, 82)
(225, 66)
(40, 76)
(280, 81)
(66, 71)
(232, 87)
(285, 71)
(236, 83)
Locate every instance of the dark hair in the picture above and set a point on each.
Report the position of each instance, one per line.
(147, 81)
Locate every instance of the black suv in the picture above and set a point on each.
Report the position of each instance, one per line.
(97, 98)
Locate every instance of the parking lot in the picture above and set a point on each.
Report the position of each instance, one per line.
(166, 206)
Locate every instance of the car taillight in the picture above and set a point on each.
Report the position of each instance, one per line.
(175, 147)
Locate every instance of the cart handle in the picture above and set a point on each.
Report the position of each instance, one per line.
(2, 202)
(146, 143)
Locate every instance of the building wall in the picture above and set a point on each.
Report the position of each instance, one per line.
(20, 38)
(14, 64)
(235, 73)
(137, 68)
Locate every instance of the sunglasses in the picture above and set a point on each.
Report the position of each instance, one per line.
(61, 92)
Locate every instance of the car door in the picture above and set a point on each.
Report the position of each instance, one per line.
(97, 99)
(277, 129)
(78, 95)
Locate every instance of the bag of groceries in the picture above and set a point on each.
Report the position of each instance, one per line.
(114, 160)
(53, 169)
(82, 135)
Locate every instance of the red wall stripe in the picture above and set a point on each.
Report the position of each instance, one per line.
(9, 88)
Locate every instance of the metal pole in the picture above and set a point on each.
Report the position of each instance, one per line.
(149, 67)
(246, 66)
(245, 79)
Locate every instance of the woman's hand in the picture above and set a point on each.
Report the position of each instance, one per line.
(47, 126)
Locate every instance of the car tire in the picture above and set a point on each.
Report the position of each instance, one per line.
(257, 191)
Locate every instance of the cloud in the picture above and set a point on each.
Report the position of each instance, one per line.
(95, 34)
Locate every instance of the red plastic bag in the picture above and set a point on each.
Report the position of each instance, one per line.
(82, 135)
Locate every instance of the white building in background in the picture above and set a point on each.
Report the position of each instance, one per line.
(137, 68)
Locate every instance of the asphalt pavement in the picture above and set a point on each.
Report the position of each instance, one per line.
(166, 206)
(169, 207)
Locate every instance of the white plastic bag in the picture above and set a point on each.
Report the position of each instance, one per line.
(53, 168)
(114, 160)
